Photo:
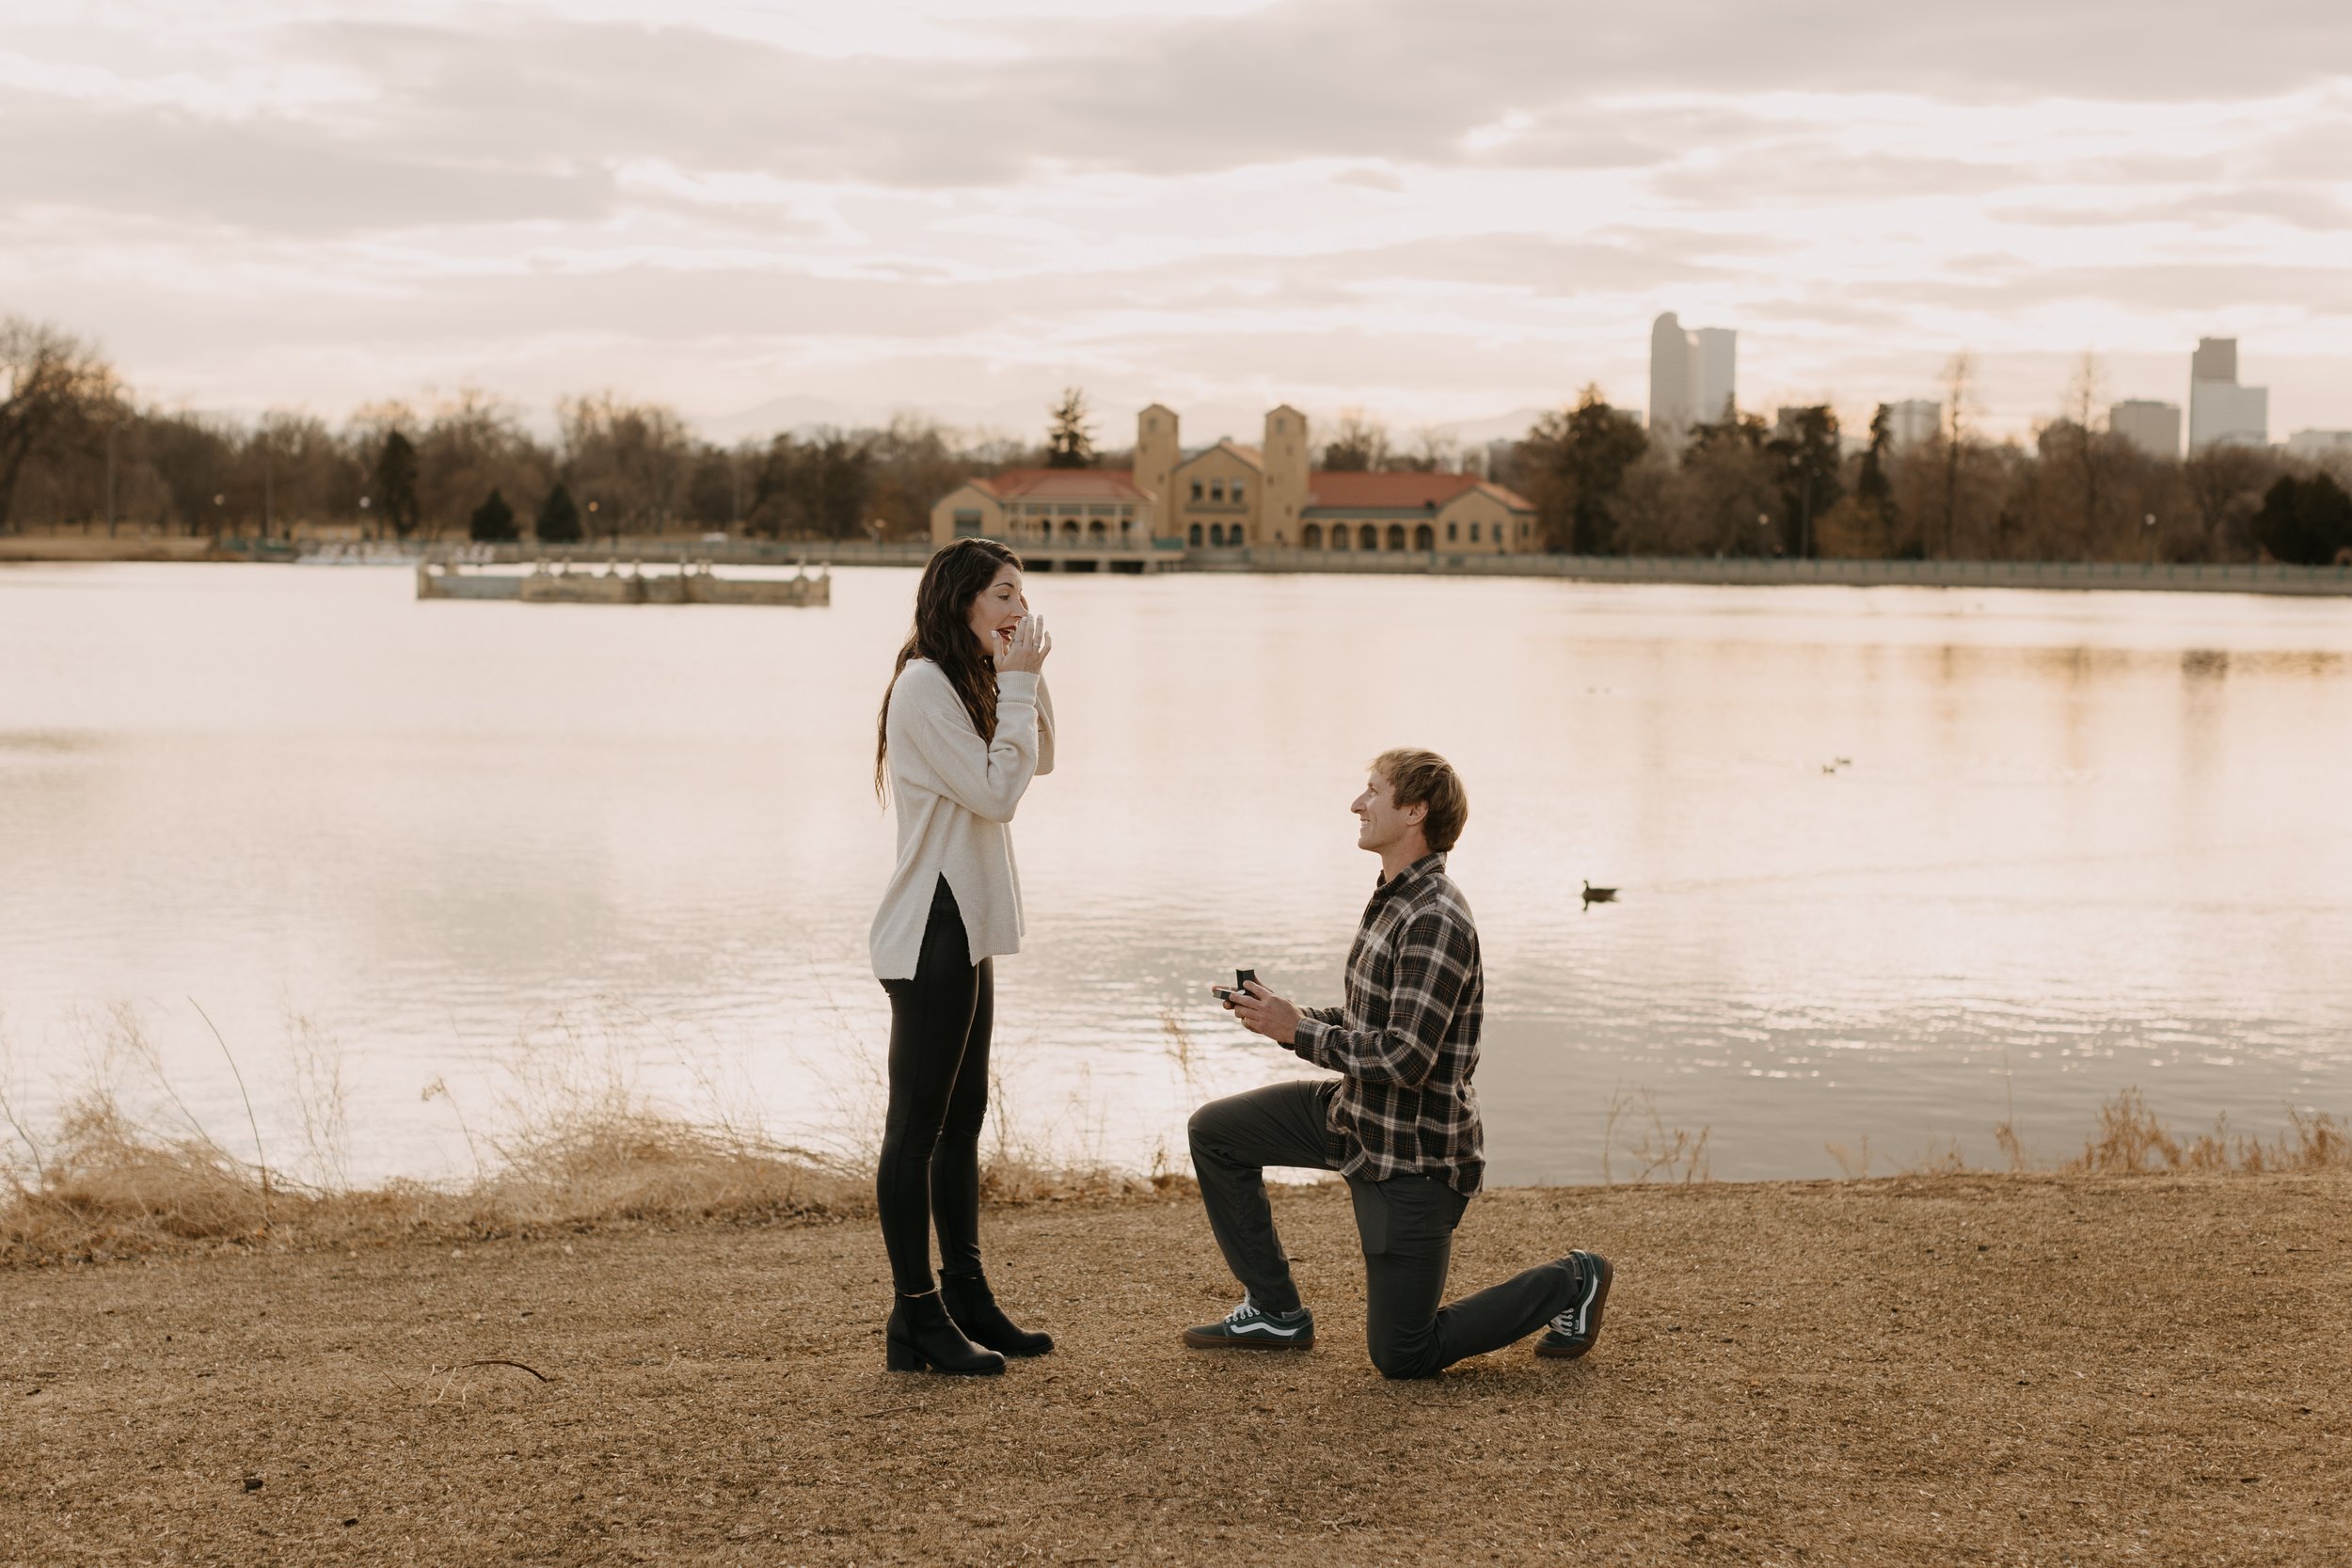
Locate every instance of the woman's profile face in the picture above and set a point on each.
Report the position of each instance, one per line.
(998, 610)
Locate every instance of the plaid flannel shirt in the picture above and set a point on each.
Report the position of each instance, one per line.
(1407, 1042)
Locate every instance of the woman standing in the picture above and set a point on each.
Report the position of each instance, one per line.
(964, 727)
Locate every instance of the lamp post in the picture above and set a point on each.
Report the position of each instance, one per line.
(1804, 514)
(218, 502)
(591, 531)
(365, 535)
(2149, 523)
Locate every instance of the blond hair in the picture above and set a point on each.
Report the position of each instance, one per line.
(1418, 778)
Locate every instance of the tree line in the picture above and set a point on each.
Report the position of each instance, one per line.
(77, 450)
(1603, 486)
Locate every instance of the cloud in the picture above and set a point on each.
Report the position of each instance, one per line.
(1485, 200)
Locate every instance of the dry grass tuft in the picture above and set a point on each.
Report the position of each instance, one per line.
(2131, 1140)
(573, 1146)
(1634, 1133)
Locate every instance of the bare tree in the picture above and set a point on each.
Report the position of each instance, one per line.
(1357, 445)
(1960, 375)
(633, 460)
(54, 390)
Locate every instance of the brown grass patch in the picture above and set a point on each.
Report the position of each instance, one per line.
(573, 1146)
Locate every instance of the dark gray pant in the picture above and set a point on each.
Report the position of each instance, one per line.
(1407, 1224)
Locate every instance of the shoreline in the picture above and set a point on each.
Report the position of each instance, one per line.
(2267, 580)
(1904, 1369)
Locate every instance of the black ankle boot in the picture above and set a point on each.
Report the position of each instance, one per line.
(920, 1338)
(972, 1306)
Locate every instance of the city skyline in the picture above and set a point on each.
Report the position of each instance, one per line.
(944, 205)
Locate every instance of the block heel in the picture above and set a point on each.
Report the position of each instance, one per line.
(922, 1338)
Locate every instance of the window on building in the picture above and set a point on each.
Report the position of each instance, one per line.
(1473, 533)
(1195, 533)
(1216, 533)
(1238, 496)
(1217, 489)
(1196, 489)
(1070, 528)
(1452, 533)
(967, 524)
(1096, 530)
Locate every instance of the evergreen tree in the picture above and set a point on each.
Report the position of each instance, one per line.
(493, 522)
(558, 522)
(1809, 484)
(1580, 457)
(2305, 522)
(1068, 442)
(396, 484)
(1871, 484)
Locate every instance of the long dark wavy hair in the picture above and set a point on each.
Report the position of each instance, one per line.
(942, 633)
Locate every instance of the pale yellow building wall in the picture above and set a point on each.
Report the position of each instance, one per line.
(1492, 518)
(1201, 494)
(967, 497)
(1157, 452)
(1285, 453)
(1498, 529)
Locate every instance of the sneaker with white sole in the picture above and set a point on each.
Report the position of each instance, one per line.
(1572, 1333)
(1250, 1327)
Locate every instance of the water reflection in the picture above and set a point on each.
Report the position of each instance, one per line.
(1890, 858)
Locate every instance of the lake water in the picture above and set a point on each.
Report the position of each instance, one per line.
(2080, 842)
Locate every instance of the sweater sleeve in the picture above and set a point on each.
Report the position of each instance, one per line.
(1044, 726)
(984, 777)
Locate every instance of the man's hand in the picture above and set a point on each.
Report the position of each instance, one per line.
(1261, 1012)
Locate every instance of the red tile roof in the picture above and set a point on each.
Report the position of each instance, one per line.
(1063, 484)
(1384, 492)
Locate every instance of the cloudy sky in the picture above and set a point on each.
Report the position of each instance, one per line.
(1436, 211)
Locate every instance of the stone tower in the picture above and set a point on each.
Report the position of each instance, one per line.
(1156, 455)
(1285, 452)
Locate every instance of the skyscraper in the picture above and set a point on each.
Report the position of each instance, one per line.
(1671, 395)
(2154, 428)
(1912, 421)
(1693, 375)
(2215, 360)
(1714, 354)
(2220, 410)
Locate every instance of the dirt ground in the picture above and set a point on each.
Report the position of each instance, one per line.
(1935, 1370)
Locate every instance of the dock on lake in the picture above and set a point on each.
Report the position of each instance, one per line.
(692, 583)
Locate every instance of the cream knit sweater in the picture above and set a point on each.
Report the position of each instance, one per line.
(955, 795)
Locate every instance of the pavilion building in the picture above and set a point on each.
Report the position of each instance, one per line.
(1234, 496)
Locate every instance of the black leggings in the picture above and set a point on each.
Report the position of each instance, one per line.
(931, 1153)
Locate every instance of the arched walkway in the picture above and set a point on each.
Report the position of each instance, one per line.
(1312, 536)
(1424, 538)
(1367, 537)
(1396, 536)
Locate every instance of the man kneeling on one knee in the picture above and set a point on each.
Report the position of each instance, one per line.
(1400, 1123)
